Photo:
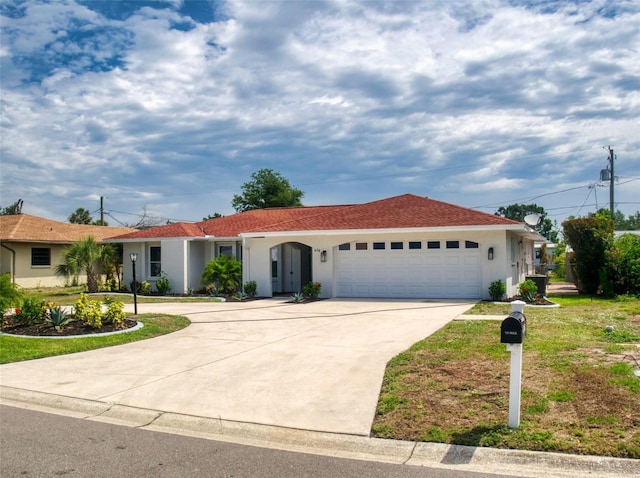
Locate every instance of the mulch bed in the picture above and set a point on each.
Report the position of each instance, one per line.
(538, 300)
(12, 326)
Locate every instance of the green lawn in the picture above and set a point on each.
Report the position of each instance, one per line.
(579, 391)
(15, 349)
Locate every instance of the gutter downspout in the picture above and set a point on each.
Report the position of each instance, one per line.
(13, 263)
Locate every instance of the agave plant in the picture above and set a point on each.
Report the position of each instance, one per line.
(298, 297)
(240, 296)
(58, 318)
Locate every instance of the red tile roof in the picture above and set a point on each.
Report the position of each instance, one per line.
(27, 228)
(399, 212)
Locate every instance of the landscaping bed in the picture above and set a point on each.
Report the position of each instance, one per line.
(11, 325)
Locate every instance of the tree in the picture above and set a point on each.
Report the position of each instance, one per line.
(15, 208)
(590, 239)
(624, 264)
(215, 215)
(631, 223)
(80, 216)
(517, 212)
(267, 188)
(10, 295)
(89, 256)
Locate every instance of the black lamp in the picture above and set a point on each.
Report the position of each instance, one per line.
(134, 257)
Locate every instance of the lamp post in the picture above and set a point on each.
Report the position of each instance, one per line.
(134, 257)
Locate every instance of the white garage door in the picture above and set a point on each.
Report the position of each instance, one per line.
(430, 273)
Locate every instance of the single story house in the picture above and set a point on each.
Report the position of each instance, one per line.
(31, 247)
(400, 247)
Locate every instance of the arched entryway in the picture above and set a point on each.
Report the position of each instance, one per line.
(290, 267)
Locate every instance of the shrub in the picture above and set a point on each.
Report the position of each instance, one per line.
(624, 264)
(528, 290)
(10, 295)
(33, 311)
(251, 288)
(115, 312)
(88, 311)
(58, 318)
(141, 288)
(225, 272)
(145, 288)
(497, 290)
(312, 289)
(162, 285)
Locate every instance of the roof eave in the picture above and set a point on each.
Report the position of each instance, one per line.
(337, 232)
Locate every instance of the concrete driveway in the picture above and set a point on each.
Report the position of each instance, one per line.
(315, 366)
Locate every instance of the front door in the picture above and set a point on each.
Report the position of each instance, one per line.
(292, 269)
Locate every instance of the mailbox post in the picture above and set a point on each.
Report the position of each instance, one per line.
(512, 333)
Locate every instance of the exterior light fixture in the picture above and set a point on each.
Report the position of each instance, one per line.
(323, 256)
(490, 254)
(134, 257)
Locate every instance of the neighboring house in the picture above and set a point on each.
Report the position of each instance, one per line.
(401, 247)
(31, 247)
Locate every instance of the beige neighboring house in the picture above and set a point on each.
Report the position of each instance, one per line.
(31, 247)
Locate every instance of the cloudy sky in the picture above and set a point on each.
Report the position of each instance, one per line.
(168, 107)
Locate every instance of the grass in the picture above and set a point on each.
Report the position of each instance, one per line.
(16, 349)
(579, 391)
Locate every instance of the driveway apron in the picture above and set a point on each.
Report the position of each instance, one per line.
(315, 366)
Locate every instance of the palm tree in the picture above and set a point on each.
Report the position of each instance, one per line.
(89, 256)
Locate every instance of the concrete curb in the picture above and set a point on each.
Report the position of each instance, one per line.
(462, 458)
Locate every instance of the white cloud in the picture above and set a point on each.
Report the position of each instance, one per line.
(352, 101)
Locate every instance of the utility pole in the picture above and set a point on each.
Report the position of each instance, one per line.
(101, 211)
(611, 182)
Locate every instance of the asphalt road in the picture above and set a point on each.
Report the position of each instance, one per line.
(35, 444)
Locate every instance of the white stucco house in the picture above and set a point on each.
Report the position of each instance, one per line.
(401, 247)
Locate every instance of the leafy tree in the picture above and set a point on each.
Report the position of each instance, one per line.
(624, 263)
(631, 223)
(517, 212)
(80, 216)
(225, 272)
(267, 188)
(89, 256)
(590, 239)
(10, 295)
(215, 215)
(15, 208)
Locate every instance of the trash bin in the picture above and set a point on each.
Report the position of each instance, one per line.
(540, 282)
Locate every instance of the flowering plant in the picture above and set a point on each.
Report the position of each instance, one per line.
(312, 289)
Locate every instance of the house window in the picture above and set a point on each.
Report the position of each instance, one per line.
(433, 245)
(155, 264)
(470, 245)
(397, 245)
(344, 247)
(378, 245)
(415, 245)
(453, 244)
(361, 246)
(40, 256)
(225, 251)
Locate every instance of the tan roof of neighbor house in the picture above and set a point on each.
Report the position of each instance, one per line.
(27, 228)
(399, 212)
